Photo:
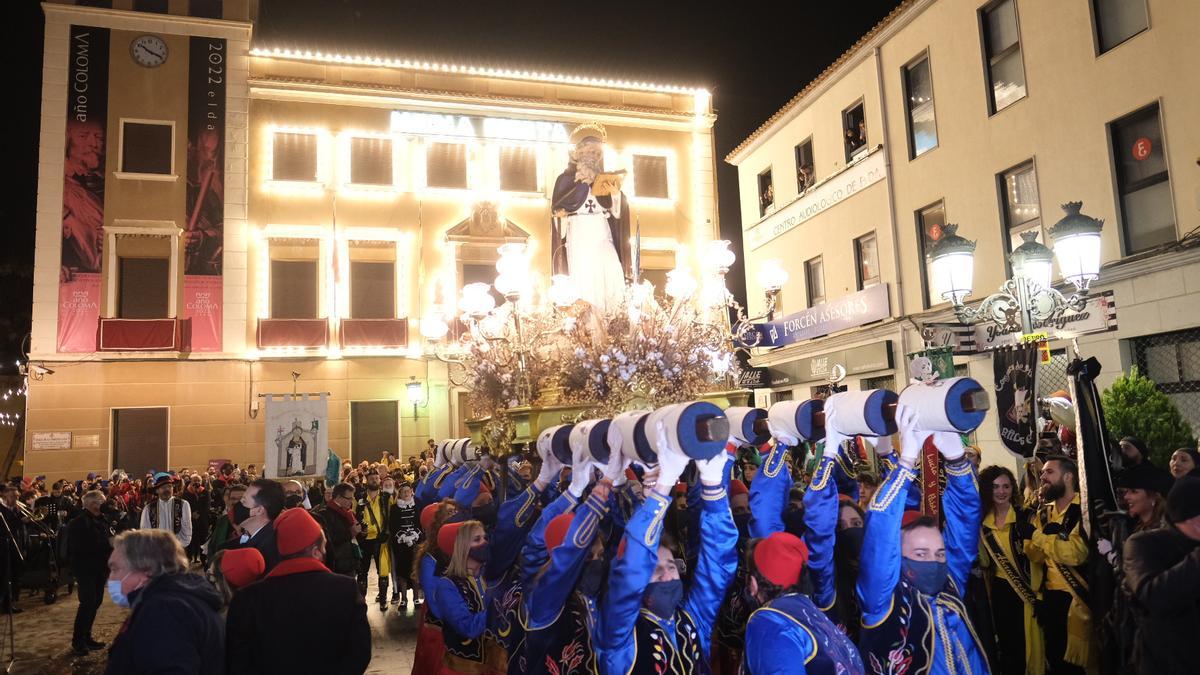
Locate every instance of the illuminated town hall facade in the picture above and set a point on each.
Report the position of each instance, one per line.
(219, 219)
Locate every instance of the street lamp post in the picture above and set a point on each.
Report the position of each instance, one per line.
(1028, 297)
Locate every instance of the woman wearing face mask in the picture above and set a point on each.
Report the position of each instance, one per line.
(429, 566)
(463, 601)
(175, 623)
(1011, 578)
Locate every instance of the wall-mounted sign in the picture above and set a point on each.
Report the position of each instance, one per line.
(825, 196)
(856, 309)
(870, 358)
(86, 441)
(1142, 148)
(51, 440)
(1098, 315)
(432, 124)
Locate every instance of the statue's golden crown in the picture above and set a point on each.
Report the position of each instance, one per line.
(588, 130)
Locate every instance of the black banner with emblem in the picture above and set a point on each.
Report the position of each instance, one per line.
(1015, 370)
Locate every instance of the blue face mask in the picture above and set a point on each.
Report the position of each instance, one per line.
(662, 597)
(114, 592)
(929, 576)
(742, 521)
(481, 553)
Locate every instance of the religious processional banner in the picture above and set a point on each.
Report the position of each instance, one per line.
(1015, 370)
(83, 189)
(296, 439)
(204, 232)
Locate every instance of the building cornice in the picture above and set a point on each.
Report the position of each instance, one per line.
(391, 96)
(860, 51)
(151, 23)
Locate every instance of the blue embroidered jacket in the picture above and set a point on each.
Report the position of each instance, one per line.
(904, 629)
(791, 636)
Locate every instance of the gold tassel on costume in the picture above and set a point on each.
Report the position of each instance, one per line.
(1080, 647)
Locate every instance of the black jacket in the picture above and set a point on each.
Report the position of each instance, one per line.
(300, 620)
(1162, 572)
(88, 543)
(175, 627)
(264, 541)
(339, 544)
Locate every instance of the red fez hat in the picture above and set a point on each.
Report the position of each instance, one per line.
(911, 516)
(681, 487)
(295, 531)
(630, 474)
(556, 530)
(240, 566)
(484, 489)
(780, 558)
(737, 487)
(446, 537)
(427, 515)
(731, 448)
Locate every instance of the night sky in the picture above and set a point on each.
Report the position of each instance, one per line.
(752, 57)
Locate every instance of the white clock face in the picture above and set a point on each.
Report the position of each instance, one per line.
(148, 50)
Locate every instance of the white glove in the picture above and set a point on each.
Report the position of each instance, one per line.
(1105, 548)
(439, 458)
(781, 435)
(671, 462)
(883, 446)
(833, 437)
(551, 469)
(911, 438)
(712, 471)
(950, 444)
(581, 468)
(1062, 411)
(615, 469)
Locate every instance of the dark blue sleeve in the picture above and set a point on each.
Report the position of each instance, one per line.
(548, 595)
(534, 555)
(513, 521)
(568, 194)
(769, 493)
(627, 579)
(427, 575)
(846, 485)
(716, 565)
(775, 645)
(447, 488)
(450, 606)
(820, 524)
(466, 488)
(964, 516)
(879, 566)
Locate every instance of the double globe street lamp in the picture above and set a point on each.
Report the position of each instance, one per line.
(1029, 297)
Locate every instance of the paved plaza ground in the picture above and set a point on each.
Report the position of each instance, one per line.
(43, 637)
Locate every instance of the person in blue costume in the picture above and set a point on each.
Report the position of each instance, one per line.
(647, 624)
(568, 553)
(788, 633)
(913, 576)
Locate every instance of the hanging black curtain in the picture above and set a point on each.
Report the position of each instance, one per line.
(1092, 442)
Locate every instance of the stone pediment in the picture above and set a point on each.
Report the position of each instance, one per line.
(485, 226)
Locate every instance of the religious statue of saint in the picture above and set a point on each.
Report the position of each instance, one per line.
(590, 232)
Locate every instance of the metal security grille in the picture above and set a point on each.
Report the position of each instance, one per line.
(1052, 376)
(1172, 360)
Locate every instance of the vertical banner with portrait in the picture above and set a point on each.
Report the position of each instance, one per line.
(204, 230)
(296, 435)
(83, 189)
(1015, 370)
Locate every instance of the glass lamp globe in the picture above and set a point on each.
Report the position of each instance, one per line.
(434, 327)
(714, 293)
(562, 291)
(1077, 246)
(952, 263)
(476, 300)
(512, 259)
(1032, 260)
(680, 284)
(718, 256)
(771, 275)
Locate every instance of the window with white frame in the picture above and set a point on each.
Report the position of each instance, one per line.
(854, 130)
(650, 177)
(294, 156)
(446, 165)
(1143, 181)
(518, 169)
(814, 278)
(147, 147)
(1022, 211)
(918, 100)
(370, 161)
(866, 258)
(805, 173)
(1002, 52)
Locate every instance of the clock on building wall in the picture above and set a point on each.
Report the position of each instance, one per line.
(148, 50)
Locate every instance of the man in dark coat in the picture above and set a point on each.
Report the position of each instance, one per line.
(88, 548)
(341, 527)
(1162, 573)
(256, 513)
(267, 625)
(175, 625)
